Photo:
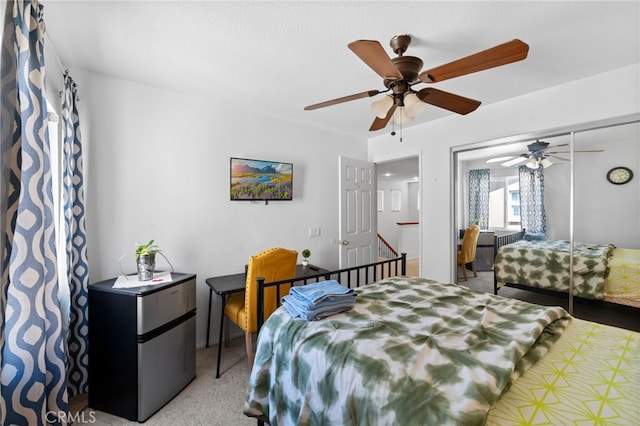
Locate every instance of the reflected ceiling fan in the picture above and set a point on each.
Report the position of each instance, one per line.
(401, 73)
(539, 155)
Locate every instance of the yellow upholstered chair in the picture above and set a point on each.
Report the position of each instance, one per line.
(273, 265)
(467, 252)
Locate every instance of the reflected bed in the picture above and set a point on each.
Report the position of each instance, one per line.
(600, 271)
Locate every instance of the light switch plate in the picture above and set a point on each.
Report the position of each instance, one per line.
(314, 231)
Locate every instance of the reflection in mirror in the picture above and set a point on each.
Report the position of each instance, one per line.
(582, 213)
(607, 215)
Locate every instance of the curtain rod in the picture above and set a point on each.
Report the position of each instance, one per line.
(63, 68)
(55, 54)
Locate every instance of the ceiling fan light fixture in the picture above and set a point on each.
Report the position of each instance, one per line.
(532, 164)
(546, 162)
(401, 117)
(413, 105)
(381, 106)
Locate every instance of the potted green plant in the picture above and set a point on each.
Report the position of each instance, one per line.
(306, 253)
(146, 260)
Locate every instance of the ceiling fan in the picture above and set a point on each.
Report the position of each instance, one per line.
(401, 73)
(538, 154)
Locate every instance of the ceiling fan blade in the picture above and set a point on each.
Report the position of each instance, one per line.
(499, 159)
(516, 161)
(558, 158)
(372, 54)
(579, 150)
(503, 54)
(381, 123)
(447, 100)
(353, 97)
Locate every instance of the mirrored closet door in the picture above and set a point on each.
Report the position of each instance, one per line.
(554, 213)
(606, 217)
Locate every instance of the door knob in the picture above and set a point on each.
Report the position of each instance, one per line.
(344, 242)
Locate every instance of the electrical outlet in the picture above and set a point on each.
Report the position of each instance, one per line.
(314, 231)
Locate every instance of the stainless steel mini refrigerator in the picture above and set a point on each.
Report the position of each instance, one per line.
(141, 345)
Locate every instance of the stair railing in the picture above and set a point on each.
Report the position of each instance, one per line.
(385, 250)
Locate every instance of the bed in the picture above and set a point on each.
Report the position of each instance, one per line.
(600, 271)
(416, 351)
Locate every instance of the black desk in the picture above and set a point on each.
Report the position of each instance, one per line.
(226, 285)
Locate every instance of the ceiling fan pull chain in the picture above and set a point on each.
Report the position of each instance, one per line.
(400, 118)
(393, 127)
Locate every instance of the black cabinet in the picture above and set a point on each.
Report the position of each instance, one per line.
(141, 345)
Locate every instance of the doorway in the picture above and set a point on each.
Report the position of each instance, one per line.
(398, 212)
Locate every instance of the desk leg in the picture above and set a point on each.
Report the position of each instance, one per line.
(209, 316)
(222, 304)
(226, 337)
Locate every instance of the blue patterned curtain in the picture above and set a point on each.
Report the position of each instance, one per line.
(479, 197)
(532, 213)
(76, 240)
(33, 385)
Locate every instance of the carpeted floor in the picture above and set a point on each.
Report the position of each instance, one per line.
(210, 401)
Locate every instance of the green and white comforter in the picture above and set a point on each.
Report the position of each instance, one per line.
(545, 264)
(411, 351)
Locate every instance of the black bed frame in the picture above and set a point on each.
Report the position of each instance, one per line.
(350, 277)
(503, 240)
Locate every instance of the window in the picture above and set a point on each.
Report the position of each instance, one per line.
(514, 203)
(504, 202)
(55, 148)
(395, 200)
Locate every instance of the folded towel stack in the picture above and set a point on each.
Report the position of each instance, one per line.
(318, 300)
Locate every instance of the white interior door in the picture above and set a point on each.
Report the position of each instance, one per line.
(358, 220)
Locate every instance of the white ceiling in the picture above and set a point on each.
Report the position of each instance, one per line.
(280, 56)
(405, 169)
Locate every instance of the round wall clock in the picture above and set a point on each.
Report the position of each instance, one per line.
(619, 175)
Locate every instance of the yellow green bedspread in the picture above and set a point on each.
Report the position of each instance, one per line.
(623, 282)
(591, 376)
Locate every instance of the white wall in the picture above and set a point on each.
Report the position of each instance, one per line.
(157, 167)
(603, 96)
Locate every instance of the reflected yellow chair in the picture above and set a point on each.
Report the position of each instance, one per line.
(467, 252)
(274, 264)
